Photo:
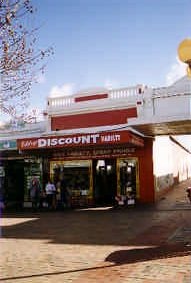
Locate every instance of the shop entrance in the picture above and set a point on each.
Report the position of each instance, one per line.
(104, 181)
(128, 181)
(14, 183)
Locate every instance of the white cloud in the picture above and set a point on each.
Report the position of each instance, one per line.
(64, 90)
(110, 84)
(177, 70)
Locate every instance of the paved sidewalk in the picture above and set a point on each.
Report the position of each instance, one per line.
(136, 245)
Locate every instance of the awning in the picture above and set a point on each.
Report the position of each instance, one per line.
(82, 140)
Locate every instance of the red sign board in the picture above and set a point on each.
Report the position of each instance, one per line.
(65, 141)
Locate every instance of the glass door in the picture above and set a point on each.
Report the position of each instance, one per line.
(127, 178)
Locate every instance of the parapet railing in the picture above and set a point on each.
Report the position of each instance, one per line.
(125, 92)
(120, 94)
(172, 90)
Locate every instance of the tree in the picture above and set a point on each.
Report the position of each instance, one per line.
(20, 59)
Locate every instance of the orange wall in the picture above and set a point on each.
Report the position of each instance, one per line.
(106, 118)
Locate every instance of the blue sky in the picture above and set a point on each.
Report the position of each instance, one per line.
(109, 42)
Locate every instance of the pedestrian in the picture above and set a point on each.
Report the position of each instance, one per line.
(50, 190)
(65, 194)
(58, 194)
(35, 193)
(189, 193)
(43, 202)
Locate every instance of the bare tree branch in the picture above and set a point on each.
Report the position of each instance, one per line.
(20, 60)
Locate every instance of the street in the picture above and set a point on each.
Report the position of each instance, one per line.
(140, 244)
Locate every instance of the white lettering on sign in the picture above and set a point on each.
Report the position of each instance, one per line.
(49, 142)
(94, 138)
(110, 138)
(77, 140)
(80, 140)
(41, 142)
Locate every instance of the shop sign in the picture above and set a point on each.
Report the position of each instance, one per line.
(8, 144)
(80, 140)
(95, 153)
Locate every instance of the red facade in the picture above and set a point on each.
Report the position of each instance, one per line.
(98, 166)
(95, 119)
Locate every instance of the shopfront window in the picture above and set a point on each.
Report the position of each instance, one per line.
(128, 177)
(75, 177)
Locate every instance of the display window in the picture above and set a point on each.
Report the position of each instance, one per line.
(98, 181)
(73, 180)
(128, 181)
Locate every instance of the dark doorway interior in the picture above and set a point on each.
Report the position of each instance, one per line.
(14, 183)
(104, 181)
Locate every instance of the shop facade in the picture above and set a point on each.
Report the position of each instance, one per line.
(99, 168)
(18, 172)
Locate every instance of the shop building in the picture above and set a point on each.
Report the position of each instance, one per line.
(96, 168)
(89, 149)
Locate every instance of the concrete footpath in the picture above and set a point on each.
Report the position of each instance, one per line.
(131, 245)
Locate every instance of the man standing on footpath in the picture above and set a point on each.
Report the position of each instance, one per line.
(50, 190)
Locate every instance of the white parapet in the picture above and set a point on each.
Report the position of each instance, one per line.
(114, 98)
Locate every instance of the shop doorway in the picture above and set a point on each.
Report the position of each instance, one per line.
(104, 181)
(128, 181)
(14, 184)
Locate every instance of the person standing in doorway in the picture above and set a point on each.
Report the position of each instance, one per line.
(35, 192)
(189, 193)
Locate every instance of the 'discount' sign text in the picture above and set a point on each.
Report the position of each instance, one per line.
(79, 140)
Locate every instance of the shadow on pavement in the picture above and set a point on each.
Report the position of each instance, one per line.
(146, 254)
(121, 257)
(94, 227)
(105, 227)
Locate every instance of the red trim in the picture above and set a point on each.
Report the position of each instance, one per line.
(146, 174)
(91, 97)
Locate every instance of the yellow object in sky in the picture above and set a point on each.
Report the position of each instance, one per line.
(184, 53)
